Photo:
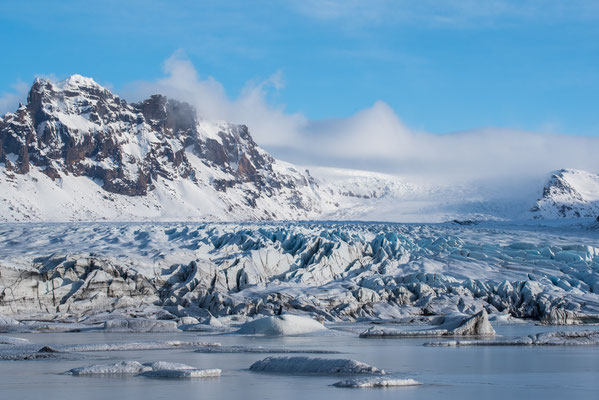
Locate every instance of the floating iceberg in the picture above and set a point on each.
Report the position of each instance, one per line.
(559, 338)
(159, 369)
(159, 365)
(258, 349)
(376, 382)
(164, 369)
(309, 365)
(182, 373)
(475, 325)
(139, 346)
(281, 325)
(120, 368)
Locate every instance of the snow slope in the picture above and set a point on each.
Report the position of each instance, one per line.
(569, 193)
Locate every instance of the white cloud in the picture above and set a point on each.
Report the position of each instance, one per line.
(375, 138)
(9, 101)
(270, 125)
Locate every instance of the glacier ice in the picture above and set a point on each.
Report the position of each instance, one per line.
(376, 382)
(281, 325)
(154, 345)
(148, 277)
(475, 325)
(120, 368)
(557, 338)
(159, 369)
(259, 349)
(182, 373)
(310, 365)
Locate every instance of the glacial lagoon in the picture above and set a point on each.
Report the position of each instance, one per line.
(548, 372)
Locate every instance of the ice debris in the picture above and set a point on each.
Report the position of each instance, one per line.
(182, 373)
(139, 325)
(475, 325)
(159, 369)
(158, 345)
(559, 338)
(12, 340)
(310, 365)
(281, 325)
(376, 382)
(259, 349)
(120, 368)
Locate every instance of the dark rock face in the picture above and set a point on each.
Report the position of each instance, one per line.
(76, 127)
(563, 195)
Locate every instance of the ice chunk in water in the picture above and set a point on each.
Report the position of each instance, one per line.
(376, 382)
(309, 365)
(121, 368)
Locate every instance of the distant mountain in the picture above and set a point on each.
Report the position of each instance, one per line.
(569, 193)
(78, 152)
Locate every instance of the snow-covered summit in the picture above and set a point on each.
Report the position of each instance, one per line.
(569, 193)
(77, 81)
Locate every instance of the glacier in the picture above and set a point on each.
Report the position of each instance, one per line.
(162, 276)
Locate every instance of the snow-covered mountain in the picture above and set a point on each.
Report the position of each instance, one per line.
(569, 193)
(76, 151)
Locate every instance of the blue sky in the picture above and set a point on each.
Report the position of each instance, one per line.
(467, 89)
(442, 66)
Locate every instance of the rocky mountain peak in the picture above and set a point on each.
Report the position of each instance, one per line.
(569, 193)
(76, 127)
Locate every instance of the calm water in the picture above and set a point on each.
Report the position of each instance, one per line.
(447, 373)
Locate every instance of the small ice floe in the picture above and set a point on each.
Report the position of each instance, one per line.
(13, 340)
(163, 369)
(120, 368)
(309, 365)
(25, 353)
(281, 325)
(376, 382)
(159, 369)
(182, 373)
(259, 349)
(139, 325)
(139, 346)
(475, 325)
(560, 338)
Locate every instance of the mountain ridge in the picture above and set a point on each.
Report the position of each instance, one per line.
(76, 151)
